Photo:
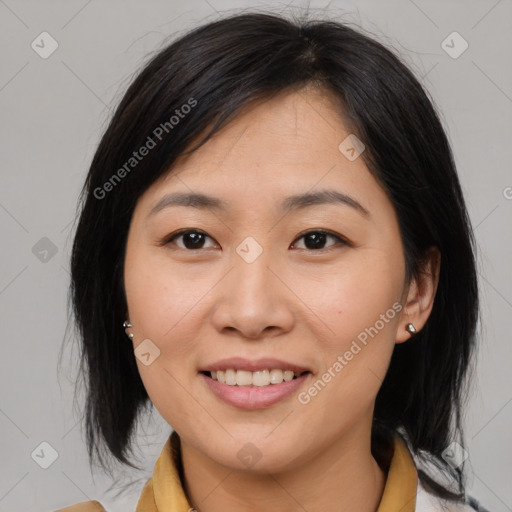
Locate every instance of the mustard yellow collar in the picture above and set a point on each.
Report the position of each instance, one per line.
(164, 492)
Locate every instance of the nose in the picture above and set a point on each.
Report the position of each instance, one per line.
(253, 300)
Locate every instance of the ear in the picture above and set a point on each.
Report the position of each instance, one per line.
(420, 296)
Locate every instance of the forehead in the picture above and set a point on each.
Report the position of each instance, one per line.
(283, 146)
(288, 127)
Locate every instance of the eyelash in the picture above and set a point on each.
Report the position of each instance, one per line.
(170, 238)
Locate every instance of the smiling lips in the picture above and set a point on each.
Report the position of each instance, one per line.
(262, 372)
(253, 384)
(260, 378)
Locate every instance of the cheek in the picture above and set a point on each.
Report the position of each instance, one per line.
(357, 349)
(168, 303)
(353, 295)
(160, 303)
(359, 304)
(157, 295)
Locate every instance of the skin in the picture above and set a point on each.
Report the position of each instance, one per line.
(296, 303)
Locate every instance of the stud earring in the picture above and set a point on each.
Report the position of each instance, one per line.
(127, 325)
(410, 328)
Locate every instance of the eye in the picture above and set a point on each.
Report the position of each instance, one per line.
(315, 239)
(193, 239)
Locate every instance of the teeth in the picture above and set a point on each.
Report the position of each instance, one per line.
(260, 378)
(288, 375)
(230, 377)
(276, 376)
(243, 378)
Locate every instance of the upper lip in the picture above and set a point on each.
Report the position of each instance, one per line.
(239, 363)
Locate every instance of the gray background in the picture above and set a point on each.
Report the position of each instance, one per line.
(53, 112)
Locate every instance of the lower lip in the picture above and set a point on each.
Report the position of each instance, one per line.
(254, 397)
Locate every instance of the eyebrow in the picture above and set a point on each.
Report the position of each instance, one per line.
(291, 203)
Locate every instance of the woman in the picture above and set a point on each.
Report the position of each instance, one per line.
(274, 251)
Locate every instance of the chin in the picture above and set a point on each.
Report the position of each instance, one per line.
(249, 454)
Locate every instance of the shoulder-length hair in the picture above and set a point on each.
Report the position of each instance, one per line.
(195, 86)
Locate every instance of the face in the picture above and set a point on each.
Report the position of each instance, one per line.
(262, 286)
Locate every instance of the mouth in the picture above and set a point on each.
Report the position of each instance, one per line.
(259, 378)
(250, 384)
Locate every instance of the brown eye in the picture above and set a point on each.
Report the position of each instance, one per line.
(315, 240)
(192, 239)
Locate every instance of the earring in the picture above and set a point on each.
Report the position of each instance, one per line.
(410, 328)
(127, 325)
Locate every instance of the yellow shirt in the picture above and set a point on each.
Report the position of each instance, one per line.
(163, 492)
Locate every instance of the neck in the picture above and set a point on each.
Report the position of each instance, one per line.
(343, 477)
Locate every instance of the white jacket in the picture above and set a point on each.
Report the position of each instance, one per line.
(426, 502)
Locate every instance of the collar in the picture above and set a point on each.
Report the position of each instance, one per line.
(164, 490)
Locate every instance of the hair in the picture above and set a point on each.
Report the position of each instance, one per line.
(217, 69)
